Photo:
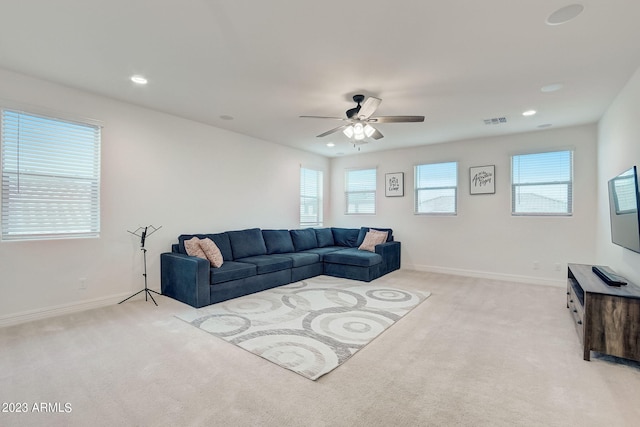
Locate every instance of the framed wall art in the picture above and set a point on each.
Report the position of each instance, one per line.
(482, 179)
(394, 184)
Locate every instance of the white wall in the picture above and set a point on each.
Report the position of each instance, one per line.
(156, 169)
(484, 239)
(618, 150)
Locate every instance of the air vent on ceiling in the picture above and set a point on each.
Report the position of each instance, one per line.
(495, 121)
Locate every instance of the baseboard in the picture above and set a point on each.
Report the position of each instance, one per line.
(44, 313)
(487, 275)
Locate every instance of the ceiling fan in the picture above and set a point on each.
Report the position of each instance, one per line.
(359, 120)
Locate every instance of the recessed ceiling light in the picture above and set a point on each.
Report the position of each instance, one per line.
(545, 125)
(529, 113)
(330, 144)
(226, 117)
(138, 79)
(565, 14)
(552, 87)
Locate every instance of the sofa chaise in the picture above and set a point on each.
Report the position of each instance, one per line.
(255, 260)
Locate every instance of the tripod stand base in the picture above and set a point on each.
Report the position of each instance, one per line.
(147, 292)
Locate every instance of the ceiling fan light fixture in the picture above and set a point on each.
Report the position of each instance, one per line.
(348, 131)
(358, 131)
(368, 130)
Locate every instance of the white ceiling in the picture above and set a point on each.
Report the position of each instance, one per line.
(265, 63)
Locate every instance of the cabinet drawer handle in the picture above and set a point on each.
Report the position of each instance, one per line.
(570, 300)
(568, 292)
(575, 311)
(579, 322)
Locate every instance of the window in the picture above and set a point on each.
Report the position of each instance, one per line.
(360, 191)
(50, 177)
(542, 183)
(310, 198)
(436, 188)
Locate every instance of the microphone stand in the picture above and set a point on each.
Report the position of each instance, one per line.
(143, 233)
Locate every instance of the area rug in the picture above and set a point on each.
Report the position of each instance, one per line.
(309, 327)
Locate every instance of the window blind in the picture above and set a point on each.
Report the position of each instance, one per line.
(360, 191)
(542, 183)
(436, 188)
(310, 198)
(50, 177)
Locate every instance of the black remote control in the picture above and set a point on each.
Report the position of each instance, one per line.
(608, 276)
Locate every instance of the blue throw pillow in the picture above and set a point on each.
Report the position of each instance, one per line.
(345, 236)
(324, 237)
(278, 241)
(245, 243)
(304, 239)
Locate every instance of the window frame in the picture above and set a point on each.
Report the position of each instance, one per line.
(569, 184)
(373, 192)
(54, 163)
(416, 189)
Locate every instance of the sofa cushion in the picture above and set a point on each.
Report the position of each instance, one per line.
(321, 252)
(220, 239)
(324, 236)
(363, 232)
(232, 270)
(212, 252)
(278, 241)
(303, 258)
(304, 239)
(353, 256)
(373, 238)
(345, 236)
(246, 243)
(222, 242)
(268, 263)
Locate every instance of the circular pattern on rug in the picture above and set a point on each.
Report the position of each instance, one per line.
(390, 295)
(349, 326)
(224, 325)
(345, 298)
(253, 304)
(302, 354)
(296, 301)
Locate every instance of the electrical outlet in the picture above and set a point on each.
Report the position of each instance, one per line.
(536, 265)
(83, 283)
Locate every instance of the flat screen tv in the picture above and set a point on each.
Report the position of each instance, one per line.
(624, 206)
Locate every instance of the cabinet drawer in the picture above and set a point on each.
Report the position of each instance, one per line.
(577, 312)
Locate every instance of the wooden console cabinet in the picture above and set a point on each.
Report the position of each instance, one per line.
(607, 318)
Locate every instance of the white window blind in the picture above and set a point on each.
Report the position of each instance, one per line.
(310, 198)
(542, 183)
(436, 188)
(360, 191)
(50, 177)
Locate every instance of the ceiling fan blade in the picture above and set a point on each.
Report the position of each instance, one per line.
(377, 135)
(323, 117)
(369, 107)
(329, 132)
(396, 119)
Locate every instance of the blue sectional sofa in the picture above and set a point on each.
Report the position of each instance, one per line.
(255, 260)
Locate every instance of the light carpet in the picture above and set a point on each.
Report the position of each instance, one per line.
(309, 327)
